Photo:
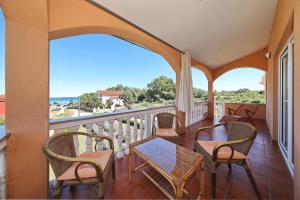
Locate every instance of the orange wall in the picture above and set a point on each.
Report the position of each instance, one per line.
(282, 29)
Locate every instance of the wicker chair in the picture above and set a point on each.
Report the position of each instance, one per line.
(88, 168)
(164, 126)
(233, 151)
(244, 113)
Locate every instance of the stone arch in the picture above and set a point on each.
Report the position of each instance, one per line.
(84, 17)
(238, 67)
(255, 60)
(204, 69)
(122, 33)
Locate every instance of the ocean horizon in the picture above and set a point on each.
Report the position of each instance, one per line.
(63, 100)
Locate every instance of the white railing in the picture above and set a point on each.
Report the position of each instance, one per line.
(124, 127)
(3, 144)
(219, 109)
(199, 113)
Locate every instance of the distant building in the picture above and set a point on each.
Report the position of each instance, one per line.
(115, 95)
(2, 105)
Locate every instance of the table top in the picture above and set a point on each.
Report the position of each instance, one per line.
(173, 160)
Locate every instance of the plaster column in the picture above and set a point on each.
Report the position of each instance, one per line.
(27, 96)
(211, 99)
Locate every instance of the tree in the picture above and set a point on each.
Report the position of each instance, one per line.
(109, 102)
(161, 88)
(200, 94)
(128, 97)
(90, 100)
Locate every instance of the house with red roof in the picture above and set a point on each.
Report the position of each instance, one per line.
(115, 95)
(2, 105)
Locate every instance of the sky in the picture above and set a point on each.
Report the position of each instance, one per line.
(91, 62)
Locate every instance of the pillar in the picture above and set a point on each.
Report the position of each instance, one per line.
(27, 95)
(211, 99)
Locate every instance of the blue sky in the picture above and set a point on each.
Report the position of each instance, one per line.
(87, 63)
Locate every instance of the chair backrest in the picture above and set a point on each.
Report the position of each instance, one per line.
(61, 144)
(240, 110)
(253, 108)
(239, 131)
(165, 120)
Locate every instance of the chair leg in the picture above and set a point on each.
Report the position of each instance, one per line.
(113, 170)
(213, 178)
(101, 191)
(229, 168)
(56, 190)
(252, 180)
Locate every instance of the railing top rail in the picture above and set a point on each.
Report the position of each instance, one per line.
(58, 123)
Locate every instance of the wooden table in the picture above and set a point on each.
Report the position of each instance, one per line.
(168, 166)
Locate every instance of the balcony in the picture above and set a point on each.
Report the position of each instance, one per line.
(267, 165)
(219, 35)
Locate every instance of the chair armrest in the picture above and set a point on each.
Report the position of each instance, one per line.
(230, 145)
(179, 129)
(207, 128)
(81, 161)
(98, 169)
(100, 138)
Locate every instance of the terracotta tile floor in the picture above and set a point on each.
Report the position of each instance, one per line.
(268, 167)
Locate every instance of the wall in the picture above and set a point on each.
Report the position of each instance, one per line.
(281, 31)
(260, 113)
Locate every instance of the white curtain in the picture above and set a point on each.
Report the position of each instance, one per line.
(185, 97)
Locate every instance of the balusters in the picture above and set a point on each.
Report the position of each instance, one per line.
(111, 129)
(142, 131)
(89, 140)
(135, 130)
(120, 152)
(148, 124)
(139, 129)
(100, 145)
(128, 131)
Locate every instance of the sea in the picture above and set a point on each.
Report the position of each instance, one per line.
(63, 100)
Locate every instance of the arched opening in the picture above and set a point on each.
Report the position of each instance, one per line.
(2, 68)
(200, 85)
(106, 74)
(240, 88)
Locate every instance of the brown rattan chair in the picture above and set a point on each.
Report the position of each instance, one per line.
(167, 126)
(88, 168)
(233, 151)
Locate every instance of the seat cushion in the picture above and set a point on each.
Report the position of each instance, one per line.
(223, 153)
(86, 170)
(166, 132)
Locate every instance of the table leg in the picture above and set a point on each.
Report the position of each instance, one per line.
(129, 165)
(202, 177)
(179, 191)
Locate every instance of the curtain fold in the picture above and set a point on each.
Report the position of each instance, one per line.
(185, 95)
